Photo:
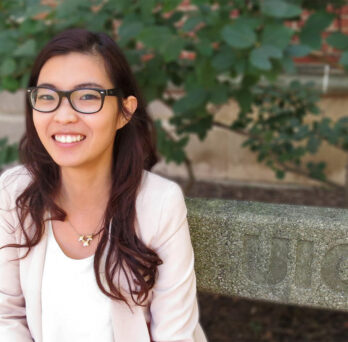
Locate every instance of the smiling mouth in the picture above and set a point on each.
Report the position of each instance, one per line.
(67, 138)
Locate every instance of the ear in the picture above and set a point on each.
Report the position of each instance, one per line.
(130, 104)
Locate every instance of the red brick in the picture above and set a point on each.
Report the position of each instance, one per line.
(292, 24)
(305, 14)
(234, 13)
(342, 23)
(325, 34)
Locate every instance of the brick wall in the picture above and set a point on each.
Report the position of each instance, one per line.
(327, 54)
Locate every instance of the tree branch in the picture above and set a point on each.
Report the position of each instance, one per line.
(283, 166)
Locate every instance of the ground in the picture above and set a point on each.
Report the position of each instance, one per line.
(230, 319)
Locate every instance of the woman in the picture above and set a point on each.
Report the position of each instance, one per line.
(94, 246)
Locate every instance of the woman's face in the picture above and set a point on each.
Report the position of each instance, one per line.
(60, 130)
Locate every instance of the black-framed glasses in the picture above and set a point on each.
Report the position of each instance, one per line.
(83, 100)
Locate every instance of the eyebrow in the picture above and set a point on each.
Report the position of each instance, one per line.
(78, 86)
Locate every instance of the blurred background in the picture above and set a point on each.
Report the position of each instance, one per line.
(250, 101)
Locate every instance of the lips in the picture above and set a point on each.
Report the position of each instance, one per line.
(68, 138)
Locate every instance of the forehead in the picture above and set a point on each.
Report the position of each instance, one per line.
(67, 71)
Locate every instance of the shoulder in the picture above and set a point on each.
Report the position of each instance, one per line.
(160, 208)
(13, 181)
(156, 192)
(157, 186)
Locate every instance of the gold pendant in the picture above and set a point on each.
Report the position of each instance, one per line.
(85, 239)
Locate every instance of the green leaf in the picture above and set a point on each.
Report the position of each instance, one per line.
(260, 57)
(298, 50)
(239, 36)
(245, 99)
(192, 100)
(338, 40)
(11, 153)
(9, 83)
(33, 10)
(288, 65)
(191, 23)
(3, 142)
(173, 151)
(130, 30)
(119, 6)
(252, 22)
(172, 48)
(8, 66)
(240, 65)
(223, 60)
(67, 9)
(155, 36)
(205, 75)
(277, 35)
(23, 83)
(313, 144)
(280, 174)
(344, 59)
(30, 26)
(280, 9)
(7, 41)
(27, 49)
(311, 32)
(316, 170)
(169, 5)
(147, 8)
(219, 94)
(202, 126)
(204, 47)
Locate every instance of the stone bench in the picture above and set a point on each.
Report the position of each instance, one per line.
(279, 253)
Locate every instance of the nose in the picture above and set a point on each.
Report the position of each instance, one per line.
(65, 114)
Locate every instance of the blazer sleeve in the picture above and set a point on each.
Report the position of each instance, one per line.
(13, 323)
(174, 308)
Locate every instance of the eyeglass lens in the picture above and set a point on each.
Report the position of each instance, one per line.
(82, 100)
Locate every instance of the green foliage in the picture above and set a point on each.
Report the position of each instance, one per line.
(215, 51)
(239, 36)
(8, 153)
(280, 9)
(338, 40)
(168, 147)
(315, 25)
(279, 132)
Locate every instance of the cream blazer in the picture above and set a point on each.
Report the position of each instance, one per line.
(171, 309)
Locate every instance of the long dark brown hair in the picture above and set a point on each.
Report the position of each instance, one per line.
(133, 151)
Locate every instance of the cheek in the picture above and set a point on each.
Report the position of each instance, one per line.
(104, 124)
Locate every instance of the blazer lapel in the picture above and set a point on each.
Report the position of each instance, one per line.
(31, 271)
(128, 326)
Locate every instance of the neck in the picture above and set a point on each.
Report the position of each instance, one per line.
(84, 191)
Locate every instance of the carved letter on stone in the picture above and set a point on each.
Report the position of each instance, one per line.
(262, 267)
(334, 268)
(304, 259)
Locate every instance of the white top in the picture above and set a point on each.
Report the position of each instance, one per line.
(73, 307)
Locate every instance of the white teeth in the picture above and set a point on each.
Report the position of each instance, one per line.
(67, 139)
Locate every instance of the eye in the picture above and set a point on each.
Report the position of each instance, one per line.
(45, 97)
(89, 96)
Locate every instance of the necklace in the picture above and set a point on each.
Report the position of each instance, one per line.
(85, 239)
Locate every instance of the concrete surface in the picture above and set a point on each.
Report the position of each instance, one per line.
(280, 253)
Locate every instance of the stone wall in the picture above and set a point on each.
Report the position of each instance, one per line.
(280, 253)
